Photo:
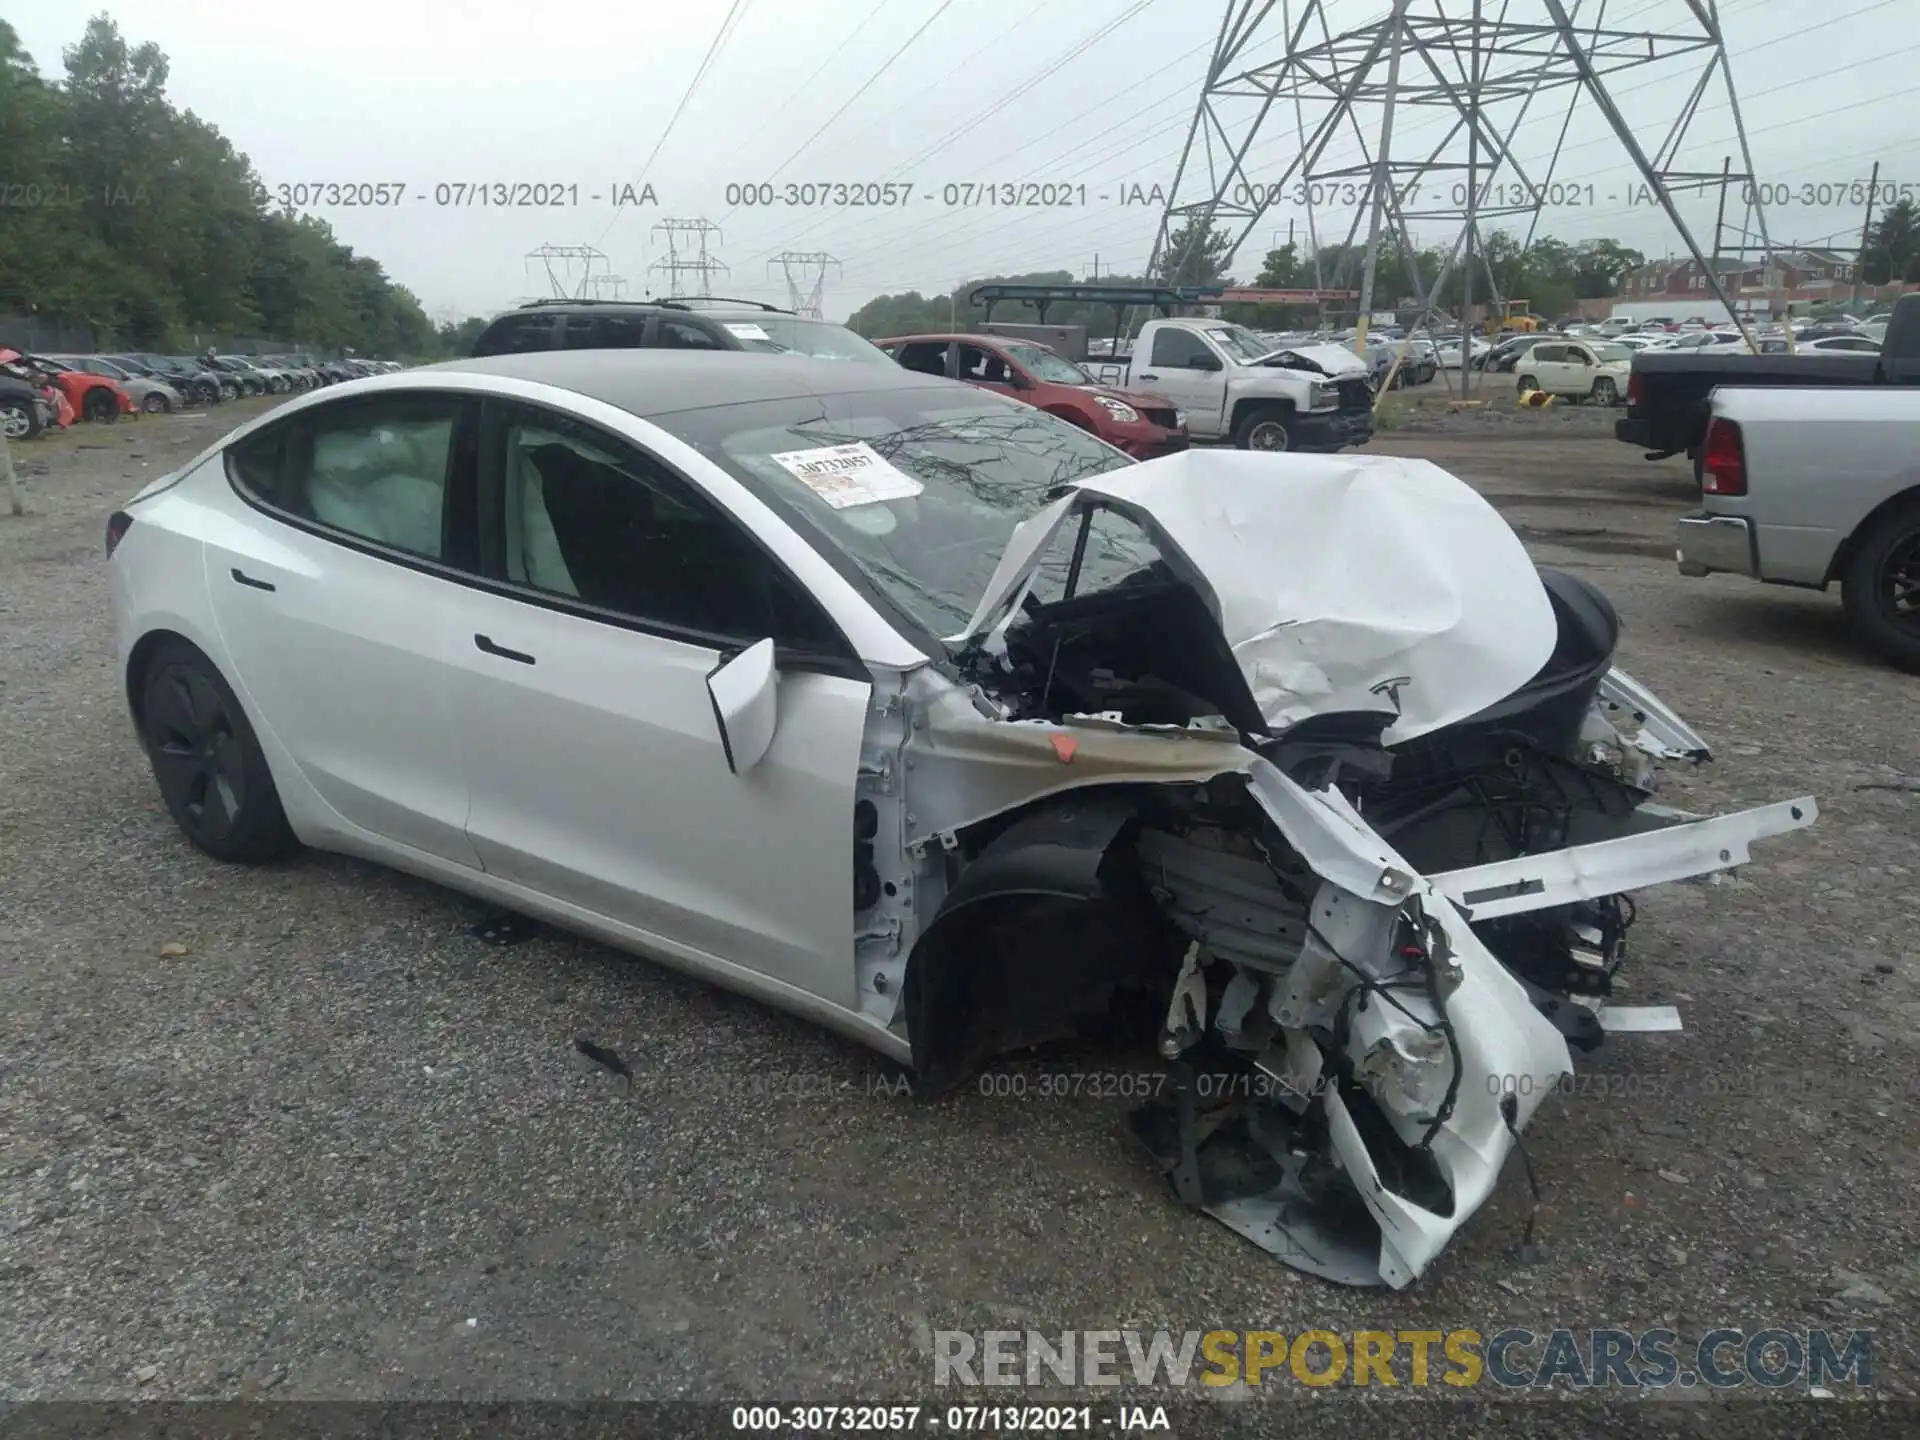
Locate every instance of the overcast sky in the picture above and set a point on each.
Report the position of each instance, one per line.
(937, 94)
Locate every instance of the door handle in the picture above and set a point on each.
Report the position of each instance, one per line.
(1145, 376)
(505, 654)
(251, 583)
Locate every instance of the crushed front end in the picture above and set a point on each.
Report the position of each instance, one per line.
(1365, 878)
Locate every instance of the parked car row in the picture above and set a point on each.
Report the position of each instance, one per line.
(39, 391)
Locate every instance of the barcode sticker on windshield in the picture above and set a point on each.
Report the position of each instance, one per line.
(848, 475)
(749, 332)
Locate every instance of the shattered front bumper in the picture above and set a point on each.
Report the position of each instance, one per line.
(1378, 1147)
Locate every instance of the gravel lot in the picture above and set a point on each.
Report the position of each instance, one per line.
(341, 1148)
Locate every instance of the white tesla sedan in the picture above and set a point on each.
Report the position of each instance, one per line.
(921, 712)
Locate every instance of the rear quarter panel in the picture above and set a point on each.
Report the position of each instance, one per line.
(1819, 462)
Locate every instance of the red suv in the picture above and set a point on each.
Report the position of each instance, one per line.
(1142, 425)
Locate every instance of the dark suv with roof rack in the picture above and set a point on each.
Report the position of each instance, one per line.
(698, 323)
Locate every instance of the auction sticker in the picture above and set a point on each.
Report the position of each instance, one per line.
(749, 332)
(848, 475)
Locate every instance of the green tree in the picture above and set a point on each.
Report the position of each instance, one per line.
(1893, 247)
(1194, 255)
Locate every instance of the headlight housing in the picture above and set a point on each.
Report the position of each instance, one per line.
(1118, 409)
(1323, 396)
(1180, 419)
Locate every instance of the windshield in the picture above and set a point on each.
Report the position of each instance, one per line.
(788, 334)
(921, 488)
(1239, 342)
(1608, 354)
(1044, 364)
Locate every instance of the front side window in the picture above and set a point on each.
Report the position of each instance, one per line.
(590, 519)
(1176, 347)
(918, 489)
(1046, 365)
(983, 366)
(377, 470)
(793, 335)
(924, 357)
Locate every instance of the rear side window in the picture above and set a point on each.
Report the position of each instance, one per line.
(386, 470)
(517, 335)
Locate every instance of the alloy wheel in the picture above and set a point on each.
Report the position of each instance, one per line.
(197, 759)
(1899, 581)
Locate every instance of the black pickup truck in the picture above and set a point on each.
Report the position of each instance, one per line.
(1667, 393)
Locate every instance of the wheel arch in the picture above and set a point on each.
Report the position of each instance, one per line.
(1246, 405)
(1040, 930)
(1843, 552)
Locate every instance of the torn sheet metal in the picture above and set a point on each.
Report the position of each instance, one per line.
(1289, 552)
(1663, 734)
(1613, 867)
(1492, 1020)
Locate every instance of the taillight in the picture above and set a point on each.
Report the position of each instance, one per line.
(1723, 460)
(118, 524)
(1633, 386)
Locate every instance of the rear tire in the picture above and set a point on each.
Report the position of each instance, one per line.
(1264, 429)
(19, 419)
(1880, 585)
(207, 761)
(1527, 383)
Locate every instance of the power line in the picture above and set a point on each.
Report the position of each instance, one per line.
(736, 13)
(865, 86)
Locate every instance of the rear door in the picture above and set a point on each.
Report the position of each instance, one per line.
(1548, 366)
(338, 590)
(615, 588)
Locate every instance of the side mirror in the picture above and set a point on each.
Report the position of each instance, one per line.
(744, 692)
(1203, 362)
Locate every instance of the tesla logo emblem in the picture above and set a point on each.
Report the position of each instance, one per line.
(1391, 689)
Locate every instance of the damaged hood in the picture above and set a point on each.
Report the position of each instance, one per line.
(1341, 583)
(1332, 360)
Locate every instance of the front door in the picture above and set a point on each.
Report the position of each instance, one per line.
(1169, 370)
(338, 596)
(599, 775)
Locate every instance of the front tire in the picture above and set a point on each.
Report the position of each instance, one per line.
(207, 761)
(100, 406)
(1604, 392)
(1880, 586)
(1264, 429)
(156, 404)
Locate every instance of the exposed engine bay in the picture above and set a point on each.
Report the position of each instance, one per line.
(1390, 924)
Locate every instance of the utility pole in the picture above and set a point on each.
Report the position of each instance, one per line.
(1720, 218)
(814, 262)
(1382, 177)
(692, 234)
(1866, 233)
(567, 255)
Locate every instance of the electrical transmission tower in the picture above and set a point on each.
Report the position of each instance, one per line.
(687, 255)
(607, 287)
(565, 285)
(797, 265)
(1471, 73)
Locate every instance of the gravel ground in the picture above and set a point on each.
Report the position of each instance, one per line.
(340, 1148)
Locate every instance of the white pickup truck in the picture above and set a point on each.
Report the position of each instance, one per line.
(1235, 386)
(1812, 486)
